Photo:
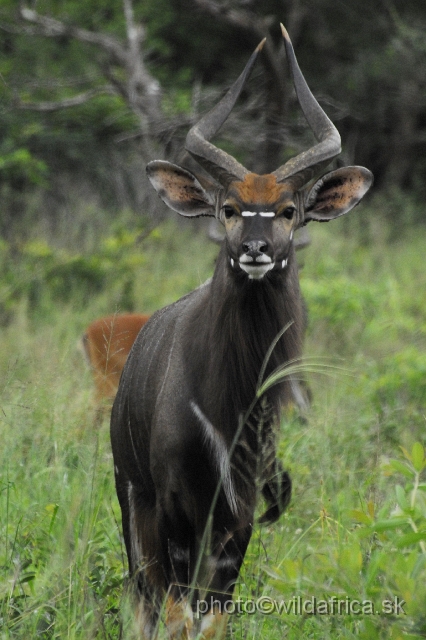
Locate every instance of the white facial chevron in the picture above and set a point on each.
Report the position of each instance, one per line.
(264, 214)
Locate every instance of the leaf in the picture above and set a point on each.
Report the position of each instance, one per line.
(410, 538)
(418, 457)
(351, 558)
(291, 568)
(402, 498)
(53, 510)
(391, 523)
(400, 467)
(274, 573)
(27, 577)
(360, 516)
(369, 630)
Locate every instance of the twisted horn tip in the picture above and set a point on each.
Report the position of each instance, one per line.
(285, 33)
(260, 45)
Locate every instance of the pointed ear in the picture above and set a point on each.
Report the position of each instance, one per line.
(336, 193)
(179, 189)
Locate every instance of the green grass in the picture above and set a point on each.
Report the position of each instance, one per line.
(356, 527)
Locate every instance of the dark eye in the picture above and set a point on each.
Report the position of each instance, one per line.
(289, 212)
(228, 211)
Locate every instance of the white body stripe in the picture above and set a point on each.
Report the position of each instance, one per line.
(135, 550)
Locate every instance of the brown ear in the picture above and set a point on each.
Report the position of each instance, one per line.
(336, 193)
(179, 189)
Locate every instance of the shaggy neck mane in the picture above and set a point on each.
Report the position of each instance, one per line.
(235, 329)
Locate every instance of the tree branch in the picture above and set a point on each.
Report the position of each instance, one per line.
(141, 91)
(64, 104)
(52, 28)
(239, 18)
(139, 77)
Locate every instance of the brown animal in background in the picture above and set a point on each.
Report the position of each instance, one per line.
(107, 342)
(193, 444)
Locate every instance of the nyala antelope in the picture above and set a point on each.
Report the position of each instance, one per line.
(106, 344)
(186, 460)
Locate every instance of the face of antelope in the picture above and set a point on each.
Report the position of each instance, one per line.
(260, 218)
(258, 213)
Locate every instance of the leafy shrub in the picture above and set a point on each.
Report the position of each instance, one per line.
(345, 305)
(20, 167)
(42, 275)
(399, 380)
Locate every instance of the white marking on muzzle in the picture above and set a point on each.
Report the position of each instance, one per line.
(220, 453)
(284, 263)
(256, 273)
(256, 269)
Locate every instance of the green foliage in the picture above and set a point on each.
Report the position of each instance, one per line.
(341, 302)
(399, 380)
(372, 50)
(19, 167)
(43, 276)
(361, 571)
(355, 531)
(61, 556)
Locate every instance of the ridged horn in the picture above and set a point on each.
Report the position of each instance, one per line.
(219, 164)
(309, 163)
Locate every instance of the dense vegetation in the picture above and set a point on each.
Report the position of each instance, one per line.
(82, 236)
(356, 528)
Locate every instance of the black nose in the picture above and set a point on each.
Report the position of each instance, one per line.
(255, 248)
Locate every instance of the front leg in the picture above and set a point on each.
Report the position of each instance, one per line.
(277, 493)
(224, 566)
(178, 544)
(179, 614)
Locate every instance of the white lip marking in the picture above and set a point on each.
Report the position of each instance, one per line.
(256, 269)
(232, 262)
(256, 272)
(284, 263)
